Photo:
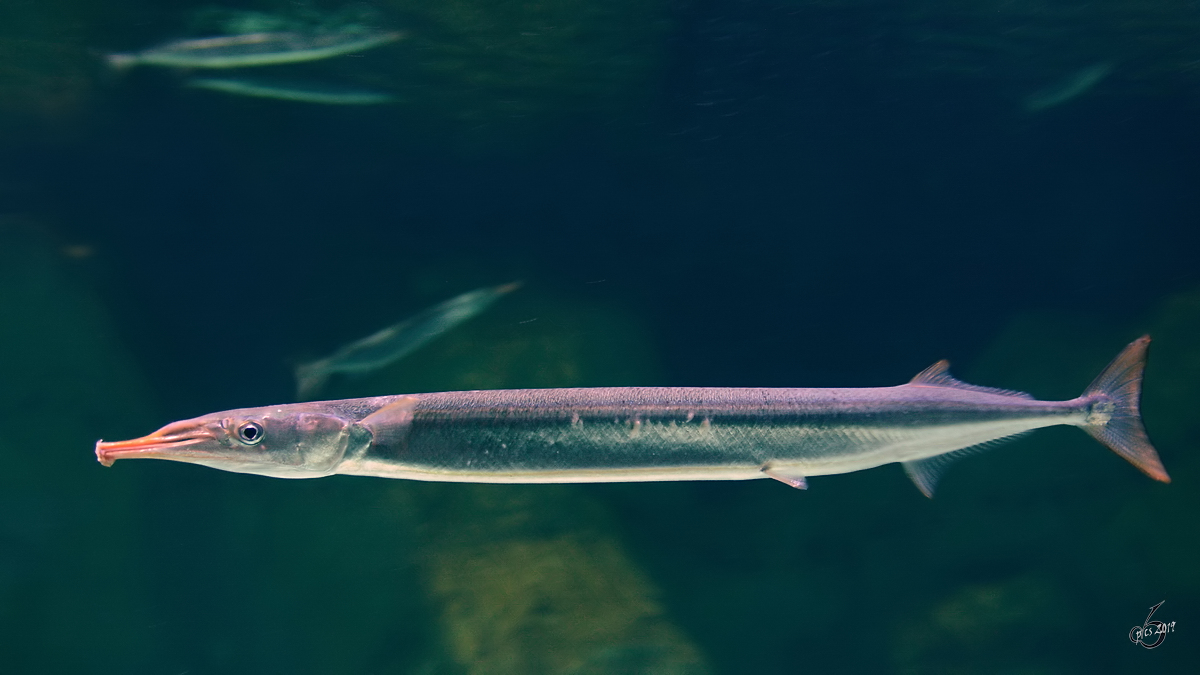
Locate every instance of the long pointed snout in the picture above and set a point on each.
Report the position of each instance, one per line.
(158, 445)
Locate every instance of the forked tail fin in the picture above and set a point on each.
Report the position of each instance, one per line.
(1115, 419)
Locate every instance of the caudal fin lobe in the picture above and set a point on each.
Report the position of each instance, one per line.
(1115, 418)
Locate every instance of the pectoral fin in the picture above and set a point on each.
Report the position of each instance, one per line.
(390, 424)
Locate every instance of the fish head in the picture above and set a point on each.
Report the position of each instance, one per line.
(291, 441)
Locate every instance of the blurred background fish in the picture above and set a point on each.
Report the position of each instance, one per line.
(257, 49)
(301, 92)
(1077, 84)
(394, 342)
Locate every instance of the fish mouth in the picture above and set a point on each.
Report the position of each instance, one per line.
(155, 446)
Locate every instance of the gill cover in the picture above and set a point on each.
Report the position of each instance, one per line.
(291, 441)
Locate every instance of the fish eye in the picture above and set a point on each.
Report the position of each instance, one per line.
(250, 433)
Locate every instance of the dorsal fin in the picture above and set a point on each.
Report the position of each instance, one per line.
(938, 375)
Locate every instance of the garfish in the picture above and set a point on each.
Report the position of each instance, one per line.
(394, 342)
(266, 48)
(614, 434)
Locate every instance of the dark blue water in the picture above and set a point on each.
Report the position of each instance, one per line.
(715, 193)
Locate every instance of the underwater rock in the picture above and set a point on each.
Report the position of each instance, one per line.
(986, 628)
(532, 579)
(70, 571)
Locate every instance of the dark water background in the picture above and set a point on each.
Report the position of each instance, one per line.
(716, 193)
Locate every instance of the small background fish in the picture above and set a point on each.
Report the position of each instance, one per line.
(301, 92)
(397, 341)
(256, 49)
(1074, 86)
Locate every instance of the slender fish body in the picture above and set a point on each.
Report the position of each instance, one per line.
(646, 434)
(649, 433)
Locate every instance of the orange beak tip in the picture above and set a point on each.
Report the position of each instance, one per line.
(101, 456)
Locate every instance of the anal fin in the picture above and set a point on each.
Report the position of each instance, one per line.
(925, 473)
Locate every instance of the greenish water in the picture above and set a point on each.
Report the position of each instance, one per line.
(708, 193)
